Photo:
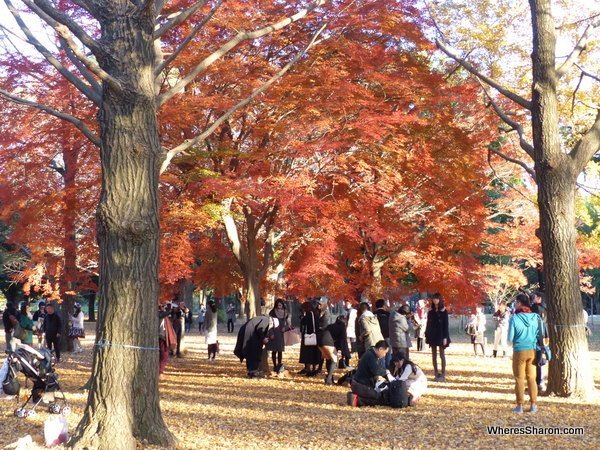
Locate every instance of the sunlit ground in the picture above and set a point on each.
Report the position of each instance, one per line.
(213, 405)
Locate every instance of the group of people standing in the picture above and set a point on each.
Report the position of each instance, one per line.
(20, 325)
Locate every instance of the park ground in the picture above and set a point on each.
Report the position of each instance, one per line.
(212, 405)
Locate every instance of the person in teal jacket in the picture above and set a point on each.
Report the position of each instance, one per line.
(523, 331)
(26, 323)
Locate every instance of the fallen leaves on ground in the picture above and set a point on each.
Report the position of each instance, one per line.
(213, 405)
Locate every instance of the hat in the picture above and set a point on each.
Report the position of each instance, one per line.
(77, 305)
(42, 303)
(323, 300)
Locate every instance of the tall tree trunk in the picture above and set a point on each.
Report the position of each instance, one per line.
(253, 294)
(123, 406)
(570, 370)
(69, 273)
(376, 288)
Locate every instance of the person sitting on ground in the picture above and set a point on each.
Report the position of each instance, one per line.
(371, 369)
(252, 336)
(405, 370)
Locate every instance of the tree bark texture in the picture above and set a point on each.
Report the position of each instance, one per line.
(123, 406)
(570, 371)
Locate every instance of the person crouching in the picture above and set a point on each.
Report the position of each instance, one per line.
(371, 368)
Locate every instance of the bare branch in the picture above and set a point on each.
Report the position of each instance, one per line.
(177, 18)
(469, 68)
(86, 5)
(183, 44)
(86, 90)
(587, 146)
(63, 32)
(191, 142)
(230, 45)
(587, 73)
(518, 162)
(513, 124)
(79, 124)
(80, 66)
(579, 48)
(65, 20)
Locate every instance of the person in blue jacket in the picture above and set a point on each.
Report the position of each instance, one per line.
(523, 331)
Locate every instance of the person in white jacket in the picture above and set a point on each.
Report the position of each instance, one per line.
(351, 328)
(77, 330)
(411, 374)
(501, 318)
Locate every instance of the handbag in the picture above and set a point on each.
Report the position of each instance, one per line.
(292, 337)
(19, 332)
(310, 339)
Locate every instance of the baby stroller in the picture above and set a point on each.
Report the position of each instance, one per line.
(37, 366)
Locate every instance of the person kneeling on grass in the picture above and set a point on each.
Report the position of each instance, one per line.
(371, 371)
(404, 370)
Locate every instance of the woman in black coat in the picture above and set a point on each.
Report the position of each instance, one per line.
(310, 355)
(276, 343)
(437, 334)
(251, 338)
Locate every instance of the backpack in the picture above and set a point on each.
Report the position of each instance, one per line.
(397, 394)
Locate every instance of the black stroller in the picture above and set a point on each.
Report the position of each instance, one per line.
(37, 366)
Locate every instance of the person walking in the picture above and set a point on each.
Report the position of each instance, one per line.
(231, 313)
(53, 327)
(420, 319)
(211, 330)
(350, 330)
(437, 335)
(524, 332)
(501, 319)
(201, 316)
(77, 329)
(477, 324)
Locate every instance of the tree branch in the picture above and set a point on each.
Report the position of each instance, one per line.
(513, 124)
(64, 19)
(79, 124)
(232, 232)
(81, 67)
(579, 48)
(587, 146)
(177, 18)
(469, 68)
(191, 142)
(86, 90)
(63, 32)
(230, 45)
(183, 44)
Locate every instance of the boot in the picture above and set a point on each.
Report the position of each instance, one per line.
(331, 366)
(495, 352)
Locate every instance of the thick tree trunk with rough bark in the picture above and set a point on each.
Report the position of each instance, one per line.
(123, 404)
(556, 171)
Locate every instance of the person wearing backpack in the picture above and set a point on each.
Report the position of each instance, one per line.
(523, 332)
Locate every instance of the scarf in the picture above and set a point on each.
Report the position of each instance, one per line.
(523, 309)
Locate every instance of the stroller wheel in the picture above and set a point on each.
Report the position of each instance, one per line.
(31, 413)
(20, 412)
(66, 411)
(53, 408)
